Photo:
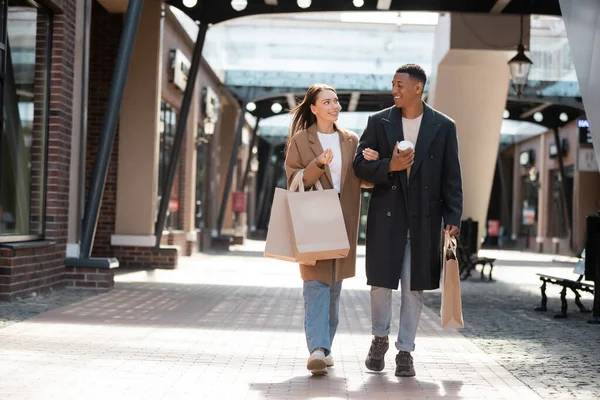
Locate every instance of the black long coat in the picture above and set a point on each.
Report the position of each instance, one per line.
(433, 194)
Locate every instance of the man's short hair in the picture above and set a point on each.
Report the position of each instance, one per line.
(415, 71)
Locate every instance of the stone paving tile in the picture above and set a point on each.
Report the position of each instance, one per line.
(557, 358)
(227, 327)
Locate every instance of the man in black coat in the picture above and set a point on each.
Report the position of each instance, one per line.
(414, 191)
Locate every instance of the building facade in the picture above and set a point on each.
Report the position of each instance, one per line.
(60, 64)
(547, 214)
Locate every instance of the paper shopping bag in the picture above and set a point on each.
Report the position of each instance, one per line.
(451, 308)
(318, 228)
(279, 235)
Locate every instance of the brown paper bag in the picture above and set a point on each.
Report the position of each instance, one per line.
(318, 228)
(451, 308)
(279, 235)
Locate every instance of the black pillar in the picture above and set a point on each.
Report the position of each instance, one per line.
(180, 133)
(107, 136)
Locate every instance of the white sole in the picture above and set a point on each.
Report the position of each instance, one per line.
(317, 367)
(319, 371)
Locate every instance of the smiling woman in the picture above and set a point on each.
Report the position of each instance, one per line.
(23, 136)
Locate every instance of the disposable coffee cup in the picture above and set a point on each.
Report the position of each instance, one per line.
(405, 145)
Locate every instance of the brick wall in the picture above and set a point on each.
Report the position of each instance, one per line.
(27, 268)
(38, 134)
(145, 257)
(89, 278)
(37, 266)
(104, 44)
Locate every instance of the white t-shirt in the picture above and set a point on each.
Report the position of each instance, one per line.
(411, 131)
(332, 141)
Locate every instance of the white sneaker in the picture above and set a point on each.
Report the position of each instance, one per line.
(329, 360)
(317, 364)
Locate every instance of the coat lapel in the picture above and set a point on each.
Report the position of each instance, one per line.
(427, 131)
(395, 133)
(315, 145)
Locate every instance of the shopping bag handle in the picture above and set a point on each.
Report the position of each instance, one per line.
(297, 184)
(450, 244)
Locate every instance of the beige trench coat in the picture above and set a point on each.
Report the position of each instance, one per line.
(302, 153)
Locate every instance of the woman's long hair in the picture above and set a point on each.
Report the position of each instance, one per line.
(303, 116)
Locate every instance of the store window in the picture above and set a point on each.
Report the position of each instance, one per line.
(529, 205)
(23, 136)
(558, 221)
(202, 154)
(168, 122)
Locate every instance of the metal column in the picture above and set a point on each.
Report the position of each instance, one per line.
(180, 133)
(107, 136)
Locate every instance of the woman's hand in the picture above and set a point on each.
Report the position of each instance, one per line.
(325, 158)
(370, 154)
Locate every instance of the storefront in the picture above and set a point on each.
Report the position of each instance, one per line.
(36, 100)
(549, 213)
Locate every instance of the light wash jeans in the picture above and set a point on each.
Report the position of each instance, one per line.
(321, 313)
(411, 305)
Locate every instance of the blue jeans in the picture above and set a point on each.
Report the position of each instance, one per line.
(411, 305)
(321, 313)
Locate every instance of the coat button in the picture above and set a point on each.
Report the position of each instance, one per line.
(431, 157)
(389, 214)
(426, 187)
(393, 187)
(427, 215)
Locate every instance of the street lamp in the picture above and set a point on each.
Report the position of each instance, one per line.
(519, 66)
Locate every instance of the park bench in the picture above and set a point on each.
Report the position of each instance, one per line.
(575, 286)
(469, 262)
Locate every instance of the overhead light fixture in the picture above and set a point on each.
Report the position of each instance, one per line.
(538, 117)
(251, 106)
(238, 5)
(519, 66)
(190, 3)
(276, 108)
(304, 3)
(563, 117)
(358, 3)
(506, 114)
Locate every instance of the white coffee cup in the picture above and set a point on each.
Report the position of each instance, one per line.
(404, 145)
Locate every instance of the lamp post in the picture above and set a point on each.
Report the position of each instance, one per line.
(519, 66)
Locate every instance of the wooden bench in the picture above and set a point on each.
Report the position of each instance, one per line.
(470, 262)
(567, 284)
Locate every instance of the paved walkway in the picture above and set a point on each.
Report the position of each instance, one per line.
(228, 327)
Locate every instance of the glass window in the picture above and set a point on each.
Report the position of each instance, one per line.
(202, 154)
(558, 226)
(168, 122)
(23, 135)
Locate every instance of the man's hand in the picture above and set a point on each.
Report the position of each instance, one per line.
(401, 160)
(452, 230)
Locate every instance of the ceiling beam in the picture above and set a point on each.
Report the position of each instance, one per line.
(535, 109)
(384, 4)
(354, 97)
(498, 7)
(291, 100)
